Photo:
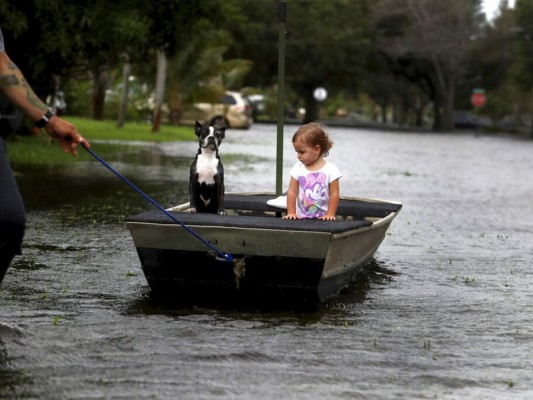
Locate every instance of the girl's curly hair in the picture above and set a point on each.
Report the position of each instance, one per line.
(314, 134)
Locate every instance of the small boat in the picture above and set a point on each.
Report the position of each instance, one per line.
(274, 261)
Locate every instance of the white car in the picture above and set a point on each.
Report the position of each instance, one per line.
(232, 111)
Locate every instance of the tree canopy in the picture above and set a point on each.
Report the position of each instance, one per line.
(408, 56)
(327, 43)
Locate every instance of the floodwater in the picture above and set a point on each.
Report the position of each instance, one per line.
(444, 311)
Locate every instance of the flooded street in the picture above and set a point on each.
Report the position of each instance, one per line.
(445, 311)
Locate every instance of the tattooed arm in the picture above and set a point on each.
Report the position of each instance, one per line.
(16, 88)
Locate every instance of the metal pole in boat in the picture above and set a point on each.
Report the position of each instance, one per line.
(281, 95)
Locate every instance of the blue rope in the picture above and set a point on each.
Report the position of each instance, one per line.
(220, 256)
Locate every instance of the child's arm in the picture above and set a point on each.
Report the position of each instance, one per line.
(333, 201)
(292, 194)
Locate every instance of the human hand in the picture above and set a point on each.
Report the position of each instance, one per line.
(291, 216)
(66, 134)
(327, 218)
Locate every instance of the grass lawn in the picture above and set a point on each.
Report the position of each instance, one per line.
(41, 150)
(107, 130)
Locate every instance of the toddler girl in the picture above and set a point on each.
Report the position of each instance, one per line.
(314, 186)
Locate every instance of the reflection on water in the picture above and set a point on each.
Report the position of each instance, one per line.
(443, 311)
(374, 273)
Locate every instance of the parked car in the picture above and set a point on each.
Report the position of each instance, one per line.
(468, 120)
(465, 119)
(257, 102)
(233, 111)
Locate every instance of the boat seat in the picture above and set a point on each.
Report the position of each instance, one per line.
(357, 209)
(252, 222)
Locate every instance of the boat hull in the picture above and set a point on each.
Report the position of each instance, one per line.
(275, 260)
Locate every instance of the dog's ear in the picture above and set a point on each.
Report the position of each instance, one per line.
(197, 128)
(222, 132)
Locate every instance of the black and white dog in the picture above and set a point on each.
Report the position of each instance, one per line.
(206, 182)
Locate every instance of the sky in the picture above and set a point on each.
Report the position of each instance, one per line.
(491, 7)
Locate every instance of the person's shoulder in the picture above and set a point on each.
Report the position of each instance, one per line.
(333, 169)
(297, 164)
(330, 164)
(296, 168)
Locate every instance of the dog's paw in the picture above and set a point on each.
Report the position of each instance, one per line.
(192, 210)
(223, 212)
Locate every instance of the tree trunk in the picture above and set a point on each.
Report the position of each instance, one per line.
(311, 108)
(159, 89)
(384, 114)
(419, 116)
(447, 111)
(100, 82)
(437, 118)
(531, 122)
(125, 94)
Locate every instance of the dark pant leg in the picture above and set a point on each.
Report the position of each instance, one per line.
(12, 215)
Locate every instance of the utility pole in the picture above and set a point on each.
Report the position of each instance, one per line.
(281, 94)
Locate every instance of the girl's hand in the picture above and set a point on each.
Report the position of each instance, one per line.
(327, 218)
(291, 216)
